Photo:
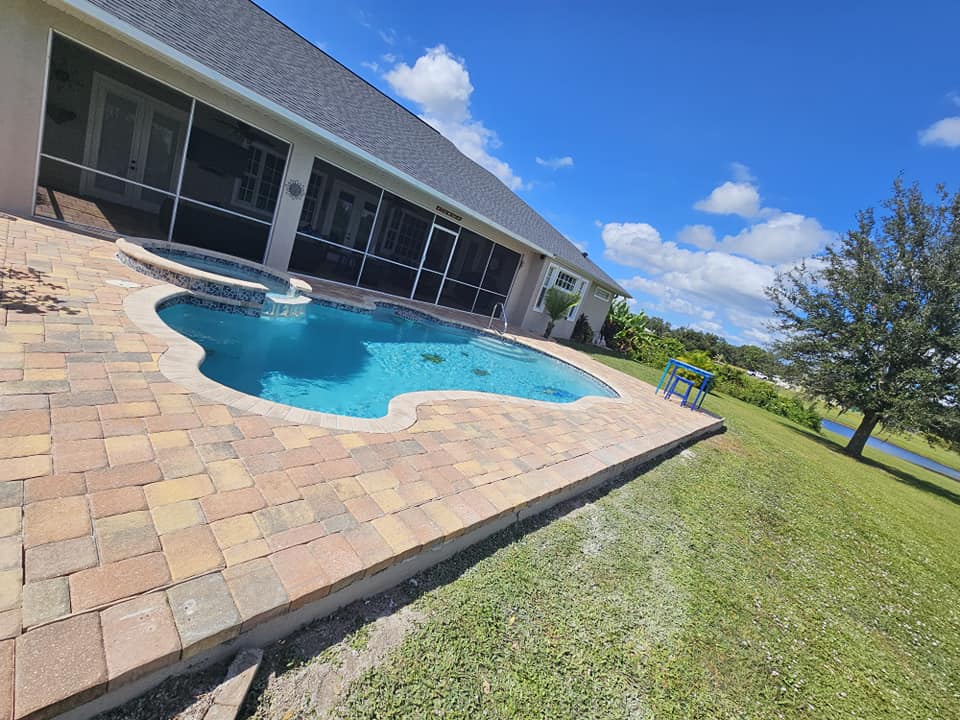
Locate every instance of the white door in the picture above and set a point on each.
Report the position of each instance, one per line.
(133, 136)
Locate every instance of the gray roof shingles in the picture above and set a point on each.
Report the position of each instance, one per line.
(243, 42)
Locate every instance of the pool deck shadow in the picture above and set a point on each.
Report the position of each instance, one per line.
(148, 529)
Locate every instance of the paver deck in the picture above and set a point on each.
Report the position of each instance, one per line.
(142, 523)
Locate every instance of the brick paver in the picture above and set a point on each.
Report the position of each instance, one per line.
(141, 523)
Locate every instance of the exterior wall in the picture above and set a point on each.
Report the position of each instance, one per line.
(23, 62)
(594, 308)
(24, 40)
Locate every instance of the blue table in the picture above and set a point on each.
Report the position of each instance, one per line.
(668, 381)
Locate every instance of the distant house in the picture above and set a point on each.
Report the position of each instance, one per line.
(215, 125)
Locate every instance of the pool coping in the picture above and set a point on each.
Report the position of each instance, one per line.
(183, 357)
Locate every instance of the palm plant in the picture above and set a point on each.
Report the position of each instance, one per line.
(557, 303)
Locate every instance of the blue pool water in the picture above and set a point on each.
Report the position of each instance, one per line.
(894, 450)
(213, 265)
(351, 363)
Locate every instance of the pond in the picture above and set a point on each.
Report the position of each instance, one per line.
(894, 450)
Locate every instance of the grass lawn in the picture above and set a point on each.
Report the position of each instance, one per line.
(762, 574)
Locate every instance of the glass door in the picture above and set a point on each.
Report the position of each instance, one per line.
(132, 136)
(435, 261)
(112, 140)
(350, 216)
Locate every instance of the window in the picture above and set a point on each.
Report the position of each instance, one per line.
(562, 280)
(113, 144)
(352, 232)
(402, 231)
(602, 294)
(115, 155)
(259, 186)
(232, 165)
(338, 207)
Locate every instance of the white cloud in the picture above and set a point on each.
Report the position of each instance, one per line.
(713, 277)
(701, 236)
(954, 97)
(719, 283)
(440, 84)
(668, 297)
(708, 326)
(944, 132)
(370, 65)
(741, 173)
(389, 58)
(785, 237)
(389, 36)
(731, 198)
(555, 163)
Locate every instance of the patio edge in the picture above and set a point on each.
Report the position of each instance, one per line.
(282, 626)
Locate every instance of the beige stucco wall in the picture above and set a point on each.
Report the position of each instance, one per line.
(24, 36)
(593, 307)
(23, 48)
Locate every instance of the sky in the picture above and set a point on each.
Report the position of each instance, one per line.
(694, 149)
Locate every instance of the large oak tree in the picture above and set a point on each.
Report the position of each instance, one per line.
(874, 322)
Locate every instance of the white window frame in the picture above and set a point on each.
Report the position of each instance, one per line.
(580, 286)
(602, 294)
(257, 175)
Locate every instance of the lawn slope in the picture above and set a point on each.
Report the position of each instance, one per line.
(760, 574)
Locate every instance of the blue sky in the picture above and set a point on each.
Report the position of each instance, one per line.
(690, 150)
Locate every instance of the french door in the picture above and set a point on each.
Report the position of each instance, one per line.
(132, 136)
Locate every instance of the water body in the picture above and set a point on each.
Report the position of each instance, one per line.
(354, 363)
(894, 450)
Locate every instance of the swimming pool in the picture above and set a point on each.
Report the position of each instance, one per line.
(344, 362)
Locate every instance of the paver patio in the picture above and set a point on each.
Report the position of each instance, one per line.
(142, 523)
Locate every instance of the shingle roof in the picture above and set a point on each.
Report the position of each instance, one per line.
(241, 41)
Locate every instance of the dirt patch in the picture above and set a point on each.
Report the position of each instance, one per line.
(303, 676)
(313, 673)
(724, 442)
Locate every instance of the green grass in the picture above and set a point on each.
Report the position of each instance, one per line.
(765, 576)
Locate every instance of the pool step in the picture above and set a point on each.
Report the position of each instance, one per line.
(508, 350)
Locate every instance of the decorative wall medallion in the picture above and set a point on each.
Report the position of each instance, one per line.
(295, 188)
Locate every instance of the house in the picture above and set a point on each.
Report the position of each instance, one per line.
(215, 125)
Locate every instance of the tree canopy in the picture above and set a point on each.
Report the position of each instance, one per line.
(874, 322)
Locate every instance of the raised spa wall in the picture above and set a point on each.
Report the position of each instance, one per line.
(223, 289)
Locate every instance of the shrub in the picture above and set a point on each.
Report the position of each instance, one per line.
(582, 332)
(738, 384)
(657, 350)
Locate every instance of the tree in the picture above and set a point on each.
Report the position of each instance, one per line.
(874, 323)
(557, 303)
(623, 330)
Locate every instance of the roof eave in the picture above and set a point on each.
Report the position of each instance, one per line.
(128, 32)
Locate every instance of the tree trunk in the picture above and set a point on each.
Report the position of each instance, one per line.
(860, 437)
(546, 333)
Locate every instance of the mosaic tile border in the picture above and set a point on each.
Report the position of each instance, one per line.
(219, 287)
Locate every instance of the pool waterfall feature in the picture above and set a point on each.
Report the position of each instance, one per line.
(218, 277)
